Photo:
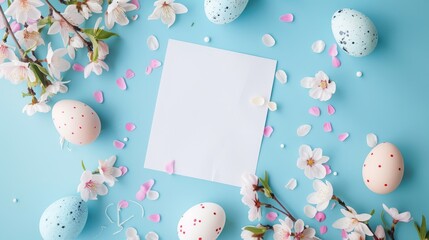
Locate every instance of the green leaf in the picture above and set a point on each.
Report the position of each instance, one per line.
(42, 69)
(83, 166)
(417, 227)
(372, 212)
(383, 220)
(265, 184)
(40, 73)
(24, 94)
(256, 230)
(103, 35)
(44, 21)
(423, 227)
(427, 235)
(94, 48)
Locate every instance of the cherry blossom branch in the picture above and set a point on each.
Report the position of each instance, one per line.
(267, 205)
(9, 29)
(391, 232)
(288, 213)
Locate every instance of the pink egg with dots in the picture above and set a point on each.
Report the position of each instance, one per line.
(76, 122)
(204, 221)
(383, 168)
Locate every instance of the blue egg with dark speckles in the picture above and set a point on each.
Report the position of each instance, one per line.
(224, 11)
(64, 219)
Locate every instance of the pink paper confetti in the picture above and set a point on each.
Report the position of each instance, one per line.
(268, 130)
(129, 74)
(333, 52)
(78, 68)
(149, 184)
(328, 169)
(98, 96)
(343, 136)
(118, 144)
(271, 216)
(144, 188)
(344, 234)
(327, 127)
(136, 2)
(336, 62)
(323, 229)
(331, 109)
(154, 218)
(121, 83)
(287, 17)
(155, 63)
(15, 26)
(130, 126)
(123, 169)
(315, 111)
(123, 204)
(169, 167)
(320, 217)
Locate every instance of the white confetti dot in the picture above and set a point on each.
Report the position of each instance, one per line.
(126, 139)
(318, 46)
(206, 39)
(282, 145)
(335, 173)
(14, 200)
(359, 74)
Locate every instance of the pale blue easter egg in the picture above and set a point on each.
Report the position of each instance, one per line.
(64, 219)
(224, 11)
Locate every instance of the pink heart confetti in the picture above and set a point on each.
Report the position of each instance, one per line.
(129, 74)
(169, 167)
(123, 169)
(328, 169)
(271, 216)
(336, 62)
(331, 109)
(121, 83)
(130, 126)
(287, 17)
(155, 63)
(343, 136)
(136, 2)
(320, 217)
(315, 111)
(118, 144)
(78, 67)
(15, 26)
(268, 130)
(98, 96)
(333, 52)
(323, 229)
(154, 218)
(123, 204)
(327, 127)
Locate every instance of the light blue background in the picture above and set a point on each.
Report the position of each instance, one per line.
(390, 100)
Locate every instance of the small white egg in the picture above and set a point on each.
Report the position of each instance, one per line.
(282, 145)
(359, 74)
(206, 39)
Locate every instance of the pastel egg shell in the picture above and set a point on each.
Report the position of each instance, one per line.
(204, 221)
(354, 32)
(224, 11)
(63, 219)
(76, 122)
(383, 168)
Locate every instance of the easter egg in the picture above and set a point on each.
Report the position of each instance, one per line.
(224, 11)
(383, 168)
(202, 221)
(354, 32)
(64, 219)
(76, 122)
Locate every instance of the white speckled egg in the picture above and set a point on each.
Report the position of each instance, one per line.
(354, 32)
(76, 122)
(64, 219)
(224, 11)
(383, 168)
(204, 221)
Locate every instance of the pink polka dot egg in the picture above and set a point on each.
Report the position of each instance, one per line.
(204, 221)
(76, 122)
(383, 168)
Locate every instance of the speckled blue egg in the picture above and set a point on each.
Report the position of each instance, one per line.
(354, 32)
(64, 219)
(224, 11)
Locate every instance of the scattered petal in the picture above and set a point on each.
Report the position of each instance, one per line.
(155, 63)
(135, 17)
(123, 204)
(268, 40)
(78, 67)
(327, 127)
(359, 74)
(344, 234)
(169, 167)
(152, 43)
(281, 76)
(141, 194)
(129, 74)
(371, 140)
(291, 185)
(121, 83)
(336, 62)
(130, 126)
(152, 195)
(318, 46)
(328, 169)
(320, 217)
(155, 218)
(333, 205)
(310, 211)
(98, 96)
(15, 26)
(118, 144)
(303, 130)
(333, 52)
(287, 17)
(149, 184)
(151, 236)
(315, 111)
(123, 169)
(148, 70)
(343, 136)
(272, 106)
(131, 234)
(271, 216)
(258, 101)
(268, 130)
(331, 109)
(137, 3)
(323, 229)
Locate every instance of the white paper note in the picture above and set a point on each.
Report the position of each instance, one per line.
(203, 117)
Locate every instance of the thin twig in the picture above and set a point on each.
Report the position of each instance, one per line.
(21, 51)
(288, 213)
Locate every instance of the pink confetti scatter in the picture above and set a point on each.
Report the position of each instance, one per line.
(137, 3)
(15, 26)
(141, 194)
(268, 130)
(121, 83)
(320, 217)
(152, 65)
(149, 184)
(129, 74)
(287, 17)
(333, 52)
(315, 111)
(118, 144)
(98, 96)
(123, 204)
(344, 234)
(154, 218)
(271, 216)
(336, 62)
(169, 167)
(328, 169)
(124, 170)
(78, 67)
(130, 126)
(327, 127)
(331, 109)
(323, 229)
(343, 136)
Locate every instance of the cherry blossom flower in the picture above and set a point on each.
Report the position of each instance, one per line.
(108, 171)
(56, 64)
(379, 233)
(302, 233)
(2, 23)
(30, 37)
(322, 196)
(252, 201)
(249, 183)
(91, 185)
(98, 65)
(7, 52)
(311, 161)
(253, 233)
(59, 25)
(353, 222)
(116, 13)
(86, 8)
(32, 108)
(283, 231)
(74, 43)
(321, 87)
(17, 72)
(356, 236)
(23, 10)
(53, 89)
(397, 217)
(167, 10)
